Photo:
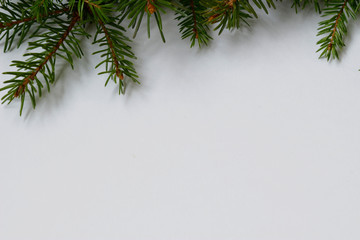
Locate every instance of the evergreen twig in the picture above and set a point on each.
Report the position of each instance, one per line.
(53, 29)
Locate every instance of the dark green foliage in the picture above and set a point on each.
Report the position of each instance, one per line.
(13, 12)
(230, 14)
(192, 23)
(53, 29)
(115, 53)
(227, 14)
(135, 10)
(29, 79)
(337, 14)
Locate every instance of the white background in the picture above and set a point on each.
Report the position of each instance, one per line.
(251, 138)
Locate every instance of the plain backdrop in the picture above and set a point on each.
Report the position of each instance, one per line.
(250, 138)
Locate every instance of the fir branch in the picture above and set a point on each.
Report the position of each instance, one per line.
(195, 30)
(20, 90)
(115, 54)
(60, 24)
(26, 81)
(136, 9)
(41, 8)
(335, 27)
(192, 24)
(17, 20)
(100, 9)
(118, 72)
(228, 14)
(24, 20)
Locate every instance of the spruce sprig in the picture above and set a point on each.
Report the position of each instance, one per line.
(192, 23)
(39, 67)
(17, 18)
(54, 30)
(231, 14)
(136, 10)
(116, 53)
(335, 27)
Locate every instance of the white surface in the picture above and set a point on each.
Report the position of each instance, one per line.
(252, 138)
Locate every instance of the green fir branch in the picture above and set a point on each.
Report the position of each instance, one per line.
(17, 19)
(116, 53)
(335, 27)
(26, 81)
(192, 24)
(54, 29)
(135, 10)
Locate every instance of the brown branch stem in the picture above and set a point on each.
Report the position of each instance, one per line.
(119, 73)
(194, 18)
(336, 25)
